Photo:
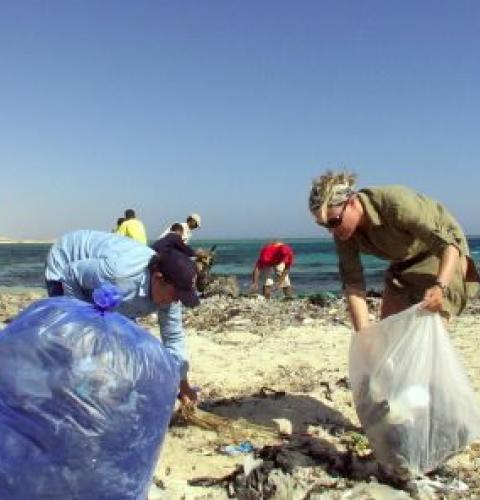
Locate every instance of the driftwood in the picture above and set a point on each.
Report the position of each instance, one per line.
(229, 430)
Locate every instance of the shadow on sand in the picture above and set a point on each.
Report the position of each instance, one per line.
(326, 449)
(301, 410)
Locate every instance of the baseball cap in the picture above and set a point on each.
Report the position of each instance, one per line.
(181, 272)
(196, 218)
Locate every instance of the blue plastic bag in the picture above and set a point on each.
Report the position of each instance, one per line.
(86, 396)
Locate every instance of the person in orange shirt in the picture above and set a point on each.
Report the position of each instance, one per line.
(275, 258)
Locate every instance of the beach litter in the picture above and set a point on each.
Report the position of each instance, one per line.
(228, 430)
(82, 389)
(335, 470)
(374, 491)
(224, 313)
(425, 487)
(236, 449)
(415, 413)
(264, 475)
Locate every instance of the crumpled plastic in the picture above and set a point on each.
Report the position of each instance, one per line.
(411, 393)
(86, 396)
(237, 449)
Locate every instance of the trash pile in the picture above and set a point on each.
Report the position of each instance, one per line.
(333, 465)
(254, 313)
(223, 311)
(221, 285)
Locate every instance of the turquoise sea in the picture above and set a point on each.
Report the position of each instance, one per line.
(315, 269)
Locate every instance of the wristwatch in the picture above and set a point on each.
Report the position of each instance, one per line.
(442, 286)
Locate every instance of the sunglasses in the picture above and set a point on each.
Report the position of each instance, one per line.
(336, 221)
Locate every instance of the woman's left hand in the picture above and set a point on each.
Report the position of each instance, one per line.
(433, 299)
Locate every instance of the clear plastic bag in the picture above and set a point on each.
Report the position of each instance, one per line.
(411, 393)
(86, 396)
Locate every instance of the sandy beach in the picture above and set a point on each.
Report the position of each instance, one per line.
(263, 361)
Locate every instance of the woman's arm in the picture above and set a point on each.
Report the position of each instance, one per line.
(357, 306)
(433, 298)
(353, 280)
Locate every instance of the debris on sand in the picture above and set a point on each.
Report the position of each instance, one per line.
(228, 429)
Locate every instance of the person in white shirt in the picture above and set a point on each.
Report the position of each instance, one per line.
(193, 222)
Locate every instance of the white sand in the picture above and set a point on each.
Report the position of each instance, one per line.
(296, 360)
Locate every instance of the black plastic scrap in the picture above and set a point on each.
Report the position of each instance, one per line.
(255, 484)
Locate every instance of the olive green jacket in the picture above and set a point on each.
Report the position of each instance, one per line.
(400, 224)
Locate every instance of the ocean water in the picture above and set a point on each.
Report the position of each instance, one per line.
(315, 269)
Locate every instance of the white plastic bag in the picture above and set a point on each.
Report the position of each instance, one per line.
(411, 393)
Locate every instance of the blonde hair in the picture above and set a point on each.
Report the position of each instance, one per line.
(330, 189)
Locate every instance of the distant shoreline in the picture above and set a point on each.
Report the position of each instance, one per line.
(25, 242)
(196, 242)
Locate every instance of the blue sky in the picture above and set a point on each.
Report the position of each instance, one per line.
(230, 108)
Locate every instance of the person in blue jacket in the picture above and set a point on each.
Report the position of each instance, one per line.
(148, 281)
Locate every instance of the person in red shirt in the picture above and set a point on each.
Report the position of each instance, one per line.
(275, 258)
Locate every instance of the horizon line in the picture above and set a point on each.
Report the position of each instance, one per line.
(45, 241)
